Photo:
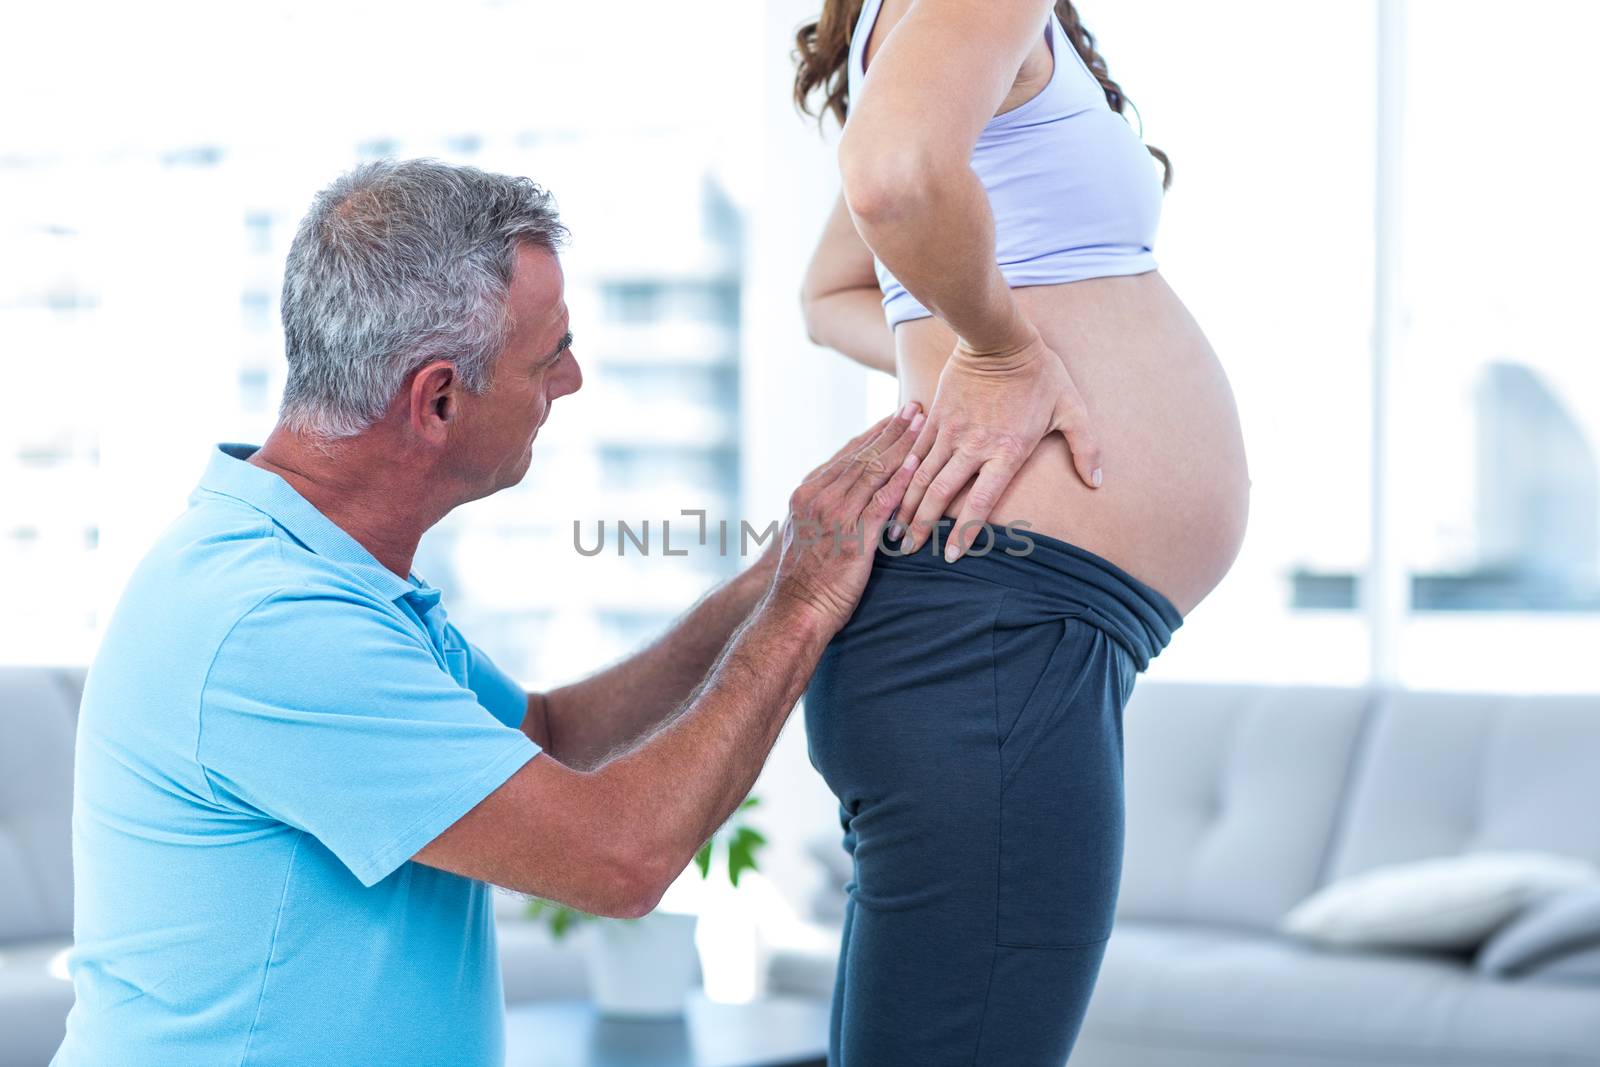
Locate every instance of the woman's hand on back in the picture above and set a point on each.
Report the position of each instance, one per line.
(989, 413)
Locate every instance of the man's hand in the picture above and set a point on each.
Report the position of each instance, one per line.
(989, 413)
(837, 516)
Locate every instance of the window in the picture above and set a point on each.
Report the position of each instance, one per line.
(256, 307)
(258, 232)
(1496, 395)
(1266, 236)
(1474, 555)
(148, 271)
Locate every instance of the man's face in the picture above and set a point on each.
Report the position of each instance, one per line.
(536, 366)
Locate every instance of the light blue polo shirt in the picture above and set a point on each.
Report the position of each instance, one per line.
(274, 725)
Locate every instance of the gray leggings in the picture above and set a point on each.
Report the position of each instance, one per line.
(969, 719)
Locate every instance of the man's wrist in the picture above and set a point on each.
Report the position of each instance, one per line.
(799, 615)
(747, 588)
(761, 572)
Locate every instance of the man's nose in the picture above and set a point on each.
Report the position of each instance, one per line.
(572, 378)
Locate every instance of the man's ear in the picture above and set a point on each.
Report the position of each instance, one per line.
(432, 399)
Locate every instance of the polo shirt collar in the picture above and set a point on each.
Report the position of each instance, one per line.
(228, 473)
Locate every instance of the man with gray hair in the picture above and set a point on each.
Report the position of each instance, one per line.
(296, 778)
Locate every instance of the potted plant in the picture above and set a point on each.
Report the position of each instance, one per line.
(643, 968)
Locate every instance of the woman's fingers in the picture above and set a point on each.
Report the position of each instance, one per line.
(993, 478)
(930, 459)
(986, 420)
(943, 485)
(1072, 420)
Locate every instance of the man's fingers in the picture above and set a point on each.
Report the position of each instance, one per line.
(833, 462)
(975, 510)
(890, 450)
(868, 456)
(870, 432)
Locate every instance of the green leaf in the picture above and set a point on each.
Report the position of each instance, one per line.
(560, 918)
(702, 859)
(749, 802)
(750, 836)
(739, 860)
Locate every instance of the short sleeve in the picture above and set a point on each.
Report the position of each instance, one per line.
(496, 690)
(328, 713)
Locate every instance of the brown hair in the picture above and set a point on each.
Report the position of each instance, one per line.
(822, 50)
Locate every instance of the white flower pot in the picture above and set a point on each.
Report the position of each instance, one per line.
(644, 968)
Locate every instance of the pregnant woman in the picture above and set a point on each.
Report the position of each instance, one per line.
(992, 247)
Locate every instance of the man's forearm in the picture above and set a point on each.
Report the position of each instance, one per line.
(676, 786)
(590, 719)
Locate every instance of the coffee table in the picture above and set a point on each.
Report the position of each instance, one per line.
(771, 1032)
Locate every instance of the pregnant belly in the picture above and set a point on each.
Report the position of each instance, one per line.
(1172, 509)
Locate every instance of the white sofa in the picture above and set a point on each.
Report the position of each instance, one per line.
(1243, 800)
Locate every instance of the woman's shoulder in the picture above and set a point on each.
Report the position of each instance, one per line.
(879, 17)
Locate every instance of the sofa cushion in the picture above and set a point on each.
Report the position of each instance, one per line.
(1446, 773)
(1556, 926)
(1232, 796)
(38, 719)
(838, 867)
(35, 996)
(1449, 902)
(800, 958)
(1178, 995)
(535, 966)
(1581, 966)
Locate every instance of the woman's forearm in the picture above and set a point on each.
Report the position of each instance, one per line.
(851, 322)
(935, 234)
